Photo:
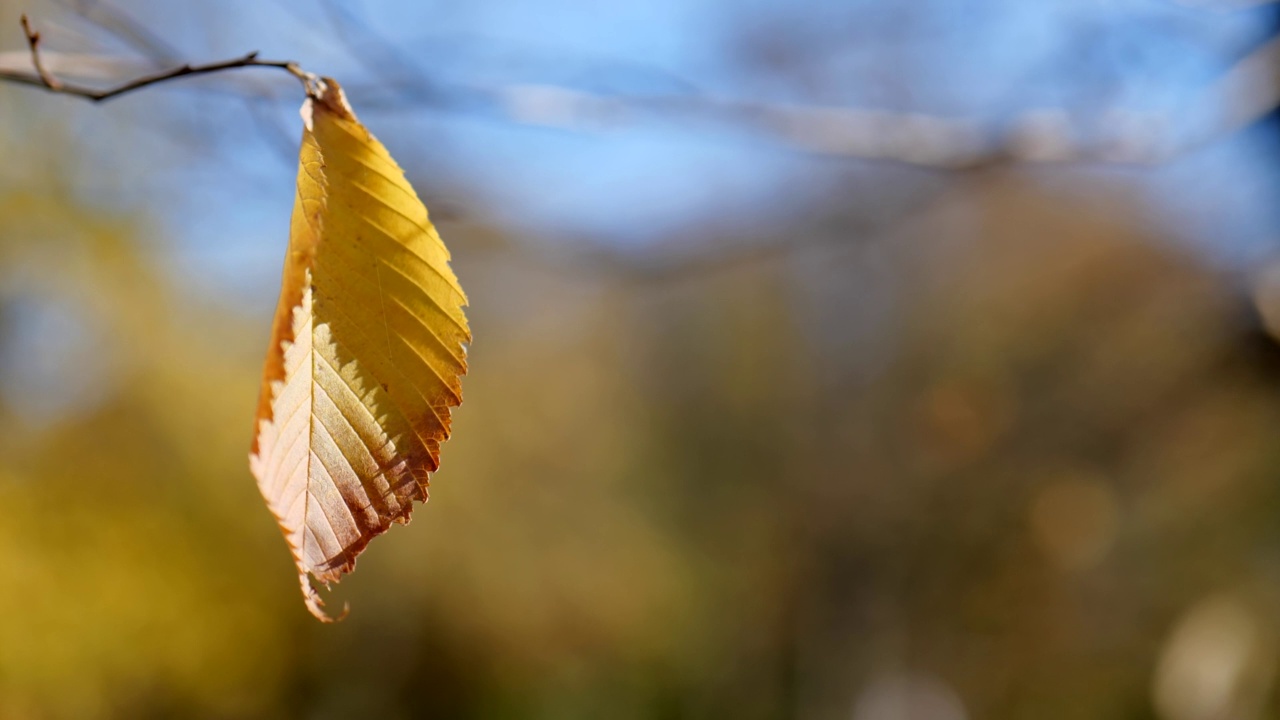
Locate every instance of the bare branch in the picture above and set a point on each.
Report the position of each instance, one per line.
(1040, 136)
(42, 78)
(125, 28)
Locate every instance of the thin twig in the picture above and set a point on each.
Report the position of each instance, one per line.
(33, 42)
(42, 78)
(139, 37)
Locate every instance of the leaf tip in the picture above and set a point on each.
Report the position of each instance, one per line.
(315, 604)
(327, 94)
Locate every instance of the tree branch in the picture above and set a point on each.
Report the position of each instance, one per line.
(43, 78)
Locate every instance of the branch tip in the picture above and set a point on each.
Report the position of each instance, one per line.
(33, 42)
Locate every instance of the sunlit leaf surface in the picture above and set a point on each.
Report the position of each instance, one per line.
(366, 351)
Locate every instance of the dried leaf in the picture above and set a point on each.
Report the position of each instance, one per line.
(366, 353)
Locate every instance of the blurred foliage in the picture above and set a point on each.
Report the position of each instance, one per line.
(673, 499)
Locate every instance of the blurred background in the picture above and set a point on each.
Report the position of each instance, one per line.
(867, 359)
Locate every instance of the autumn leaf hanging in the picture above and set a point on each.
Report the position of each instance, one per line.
(366, 355)
(368, 344)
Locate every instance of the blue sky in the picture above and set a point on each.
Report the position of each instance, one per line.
(644, 182)
(217, 180)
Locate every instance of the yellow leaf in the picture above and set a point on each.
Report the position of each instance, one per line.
(366, 352)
